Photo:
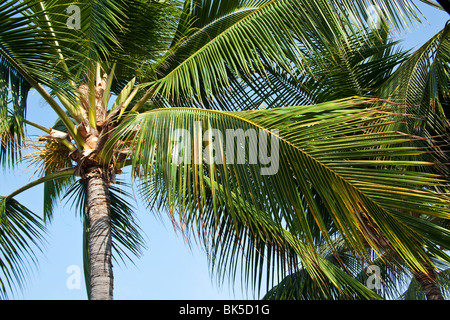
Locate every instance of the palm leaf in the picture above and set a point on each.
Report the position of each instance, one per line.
(433, 3)
(21, 233)
(253, 243)
(13, 95)
(132, 34)
(421, 84)
(320, 147)
(29, 47)
(242, 33)
(355, 68)
(146, 35)
(302, 286)
(256, 245)
(29, 41)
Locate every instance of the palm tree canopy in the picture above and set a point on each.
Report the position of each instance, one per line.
(204, 66)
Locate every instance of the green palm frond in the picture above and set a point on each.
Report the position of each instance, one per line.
(21, 235)
(242, 33)
(422, 84)
(89, 37)
(363, 186)
(13, 95)
(433, 3)
(146, 36)
(132, 34)
(255, 245)
(301, 286)
(30, 49)
(355, 273)
(388, 276)
(355, 68)
(29, 42)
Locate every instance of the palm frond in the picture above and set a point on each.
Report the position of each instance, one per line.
(262, 251)
(29, 46)
(242, 33)
(21, 234)
(30, 43)
(148, 30)
(433, 3)
(13, 95)
(391, 277)
(366, 190)
(301, 286)
(355, 68)
(422, 84)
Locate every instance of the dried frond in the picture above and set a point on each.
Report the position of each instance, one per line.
(49, 156)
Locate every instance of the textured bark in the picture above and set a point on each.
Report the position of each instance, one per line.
(427, 280)
(100, 247)
(429, 284)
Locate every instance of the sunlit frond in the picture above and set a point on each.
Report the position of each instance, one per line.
(365, 189)
(234, 37)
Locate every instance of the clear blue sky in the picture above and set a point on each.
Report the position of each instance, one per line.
(168, 269)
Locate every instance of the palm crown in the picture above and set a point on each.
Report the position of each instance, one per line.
(141, 84)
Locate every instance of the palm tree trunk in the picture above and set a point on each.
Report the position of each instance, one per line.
(427, 280)
(429, 284)
(98, 209)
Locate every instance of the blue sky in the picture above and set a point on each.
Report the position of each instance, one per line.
(168, 270)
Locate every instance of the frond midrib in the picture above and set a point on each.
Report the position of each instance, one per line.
(287, 142)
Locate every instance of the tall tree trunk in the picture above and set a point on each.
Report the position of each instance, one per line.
(98, 209)
(429, 284)
(427, 280)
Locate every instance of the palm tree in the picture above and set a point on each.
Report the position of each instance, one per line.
(385, 278)
(181, 75)
(420, 83)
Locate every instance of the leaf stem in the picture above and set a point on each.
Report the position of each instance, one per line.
(46, 178)
(38, 126)
(53, 104)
